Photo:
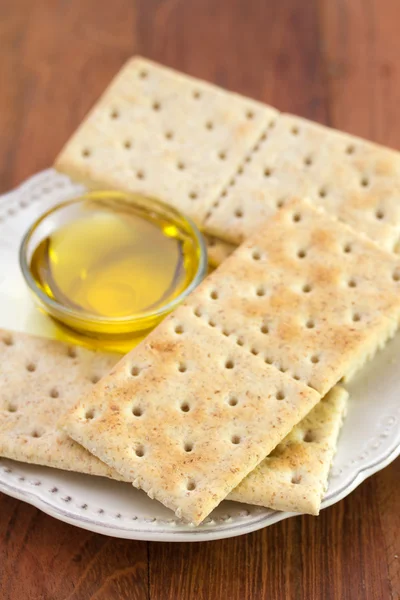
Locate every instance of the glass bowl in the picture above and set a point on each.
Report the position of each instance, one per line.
(116, 333)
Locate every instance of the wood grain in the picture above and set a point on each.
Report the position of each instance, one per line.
(334, 61)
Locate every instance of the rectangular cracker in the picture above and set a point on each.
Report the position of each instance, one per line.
(353, 179)
(306, 294)
(40, 379)
(294, 477)
(188, 414)
(166, 135)
(252, 311)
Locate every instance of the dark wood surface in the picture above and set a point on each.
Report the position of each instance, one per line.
(335, 61)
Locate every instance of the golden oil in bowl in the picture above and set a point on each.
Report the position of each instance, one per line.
(110, 265)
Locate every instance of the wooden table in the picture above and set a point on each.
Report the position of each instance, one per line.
(335, 61)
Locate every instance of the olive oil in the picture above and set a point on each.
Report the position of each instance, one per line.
(116, 262)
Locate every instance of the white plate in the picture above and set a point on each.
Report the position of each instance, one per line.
(370, 439)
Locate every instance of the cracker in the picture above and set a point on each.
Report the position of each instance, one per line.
(40, 379)
(294, 476)
(188, 414)
(217, 250)
(355, 180)
(306, 294)
(166, 135)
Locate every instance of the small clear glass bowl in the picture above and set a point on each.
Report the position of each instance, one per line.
(115, 333)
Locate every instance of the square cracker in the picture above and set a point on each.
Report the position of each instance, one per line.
(294, 477)
(40, 379)
(166, 135)
(306, 294)
(188, 414)
(354, 180)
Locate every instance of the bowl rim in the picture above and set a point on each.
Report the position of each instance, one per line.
(84, 316)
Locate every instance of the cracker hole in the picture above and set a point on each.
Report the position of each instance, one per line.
(128, 144)
(143, 74)
(229, 364)
(169, 135)
(267, 172)
(179, 329)
(302, 253)
(272, 124)
(322, 192)
(185, 407)
(71, 352)
(114, 114)
(225, 332)
(36, 434)
(307, 288)
(350, 149)
(238, 213)
(280, 203)
(94, 379)
(364, 182)
(396, 276)
(280, 395)
(31, 367)
(224, 193)
(347, 248)
(296, 377)
(137, 411)
(250, 114)
(268, 360)
(188, 447)
(260, 291)
(296, 479)
(294, 130)
(140, 174)
(254, 351)
(314, 359)
(8, 340)
(197, 312)
(240, 341)
(214, 295)
(211, 322)
(190, 486)
(310, 324)
(89, 414)
(193, 195)
(233, 401)
(196, 94)
(135, 371)
(255, 255)
(156, 106)
(297, 217)
(352, 283)
(356, 317)
(12, 408)
(139, 451)
(182, 368)
(308, 161)
(54, 393)
(264, 329)
(235, 439)
(209, 125)
(380, 214)
(86, 153)
(309, 437)
(222, 155)
(240, 171)
(180, 165)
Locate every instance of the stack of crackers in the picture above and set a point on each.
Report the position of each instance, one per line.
(236, 394)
